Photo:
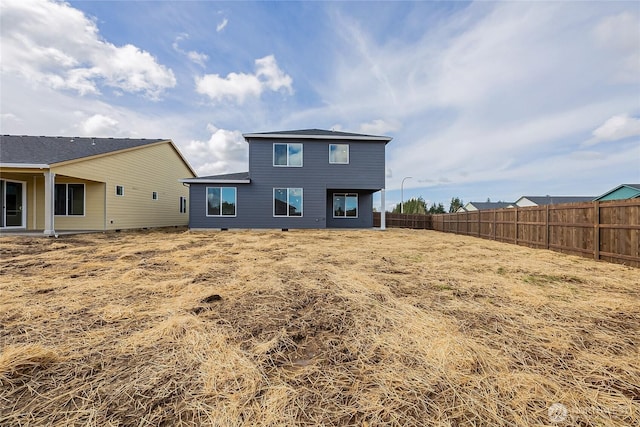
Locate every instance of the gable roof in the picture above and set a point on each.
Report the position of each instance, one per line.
(47, 150)
(316, 134)
(227, 178)
(635, 190)
(556, 200)
(481, 206)
(56, 149)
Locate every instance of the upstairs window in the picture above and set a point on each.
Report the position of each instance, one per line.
(221, 201)
(119, 190)
(339, 154)
(154, 195)
(287, 155)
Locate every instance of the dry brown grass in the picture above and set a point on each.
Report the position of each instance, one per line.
(267, 328)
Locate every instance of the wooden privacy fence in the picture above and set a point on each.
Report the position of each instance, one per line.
(608, 231)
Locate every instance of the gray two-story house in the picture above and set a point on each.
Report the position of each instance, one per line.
(297, 179)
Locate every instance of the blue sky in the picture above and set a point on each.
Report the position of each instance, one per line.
(483, 99)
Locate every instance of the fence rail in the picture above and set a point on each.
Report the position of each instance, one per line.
(608, 231)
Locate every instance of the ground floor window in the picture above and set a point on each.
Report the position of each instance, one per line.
(221, 201)
(287, 202)
(345, 205)
(183, 204)
(69, 199)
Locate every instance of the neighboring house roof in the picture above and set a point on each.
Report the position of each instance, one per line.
(555, 200)
(481, 206)
(47, 150)
(228, 178)
(316, 134)
(627, 191)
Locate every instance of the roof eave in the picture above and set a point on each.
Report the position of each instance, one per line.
(214, 181)
(305, 136)
(25, 165)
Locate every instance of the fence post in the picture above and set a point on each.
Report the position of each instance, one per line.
(596, 230)
(495, 214)
(515, 224)
(546, 223)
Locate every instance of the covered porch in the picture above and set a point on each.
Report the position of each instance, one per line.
(36, 200)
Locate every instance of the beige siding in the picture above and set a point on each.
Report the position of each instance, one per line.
(140, 171)
(93, 218)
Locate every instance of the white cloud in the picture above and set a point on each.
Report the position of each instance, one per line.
(99, 125)
(615, 128)
(195, 57)
(379, 127)
(221, 26)
(54, 44)
(620, 35)
(239, 86)
(225, 151)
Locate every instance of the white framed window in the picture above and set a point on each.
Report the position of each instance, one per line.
(154, 195)
(221, 201)
(69, 200)
(287, 202)
(345, 205)
(287, 154)
(339, 154)
(183, 204)
(119, 190)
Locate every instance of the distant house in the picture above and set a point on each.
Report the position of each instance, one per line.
(307, 178)
(621, 192)
(525, 201)
(483, 206)
(62, 183)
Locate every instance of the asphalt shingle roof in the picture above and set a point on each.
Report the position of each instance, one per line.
(316, 133)
(557, 200)
(24, 149)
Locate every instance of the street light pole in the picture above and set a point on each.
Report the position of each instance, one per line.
(402, 193)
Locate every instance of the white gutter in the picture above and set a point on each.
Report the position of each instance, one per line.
(300, 136)
(25, 165)
(214, 181)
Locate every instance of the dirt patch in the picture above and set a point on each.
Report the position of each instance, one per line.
(353, 328)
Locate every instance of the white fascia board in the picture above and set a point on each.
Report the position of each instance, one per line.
(215, 181)
(302, 136)
(25, 165)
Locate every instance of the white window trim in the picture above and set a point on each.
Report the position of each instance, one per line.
(333, 207)
(273, 201)
(120, 195)
(340, 163)
(273, 155)
(155, 196)
(183, 201)
(206, 204)
(66, 199)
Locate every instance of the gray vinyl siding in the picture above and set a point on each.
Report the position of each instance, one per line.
(365, 170)
(319, 179)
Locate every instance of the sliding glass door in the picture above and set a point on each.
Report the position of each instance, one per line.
(13, 204)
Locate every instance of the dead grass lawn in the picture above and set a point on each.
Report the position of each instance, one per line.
(312, 328)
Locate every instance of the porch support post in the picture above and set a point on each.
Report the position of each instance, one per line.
(383, 217)
(49, 217)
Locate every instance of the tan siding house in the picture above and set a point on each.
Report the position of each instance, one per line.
(57, 184)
